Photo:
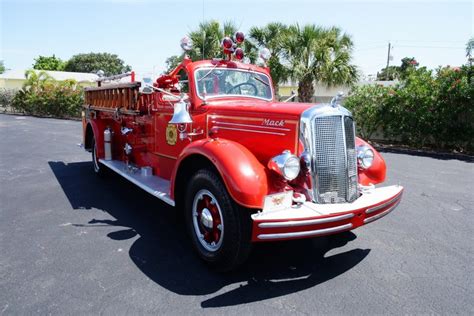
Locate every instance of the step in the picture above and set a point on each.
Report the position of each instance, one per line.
(154, 185)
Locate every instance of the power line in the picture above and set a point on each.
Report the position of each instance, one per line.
(420, 46)
(425, 41)
(369, 48)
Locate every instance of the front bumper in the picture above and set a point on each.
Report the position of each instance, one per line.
(310, 219)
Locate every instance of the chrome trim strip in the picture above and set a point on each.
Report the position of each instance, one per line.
(249, 130)
(161, 195)
(257, 126)
(306, 222)
(373, 218)
(346, 163)
(316, 232)
(378, 207)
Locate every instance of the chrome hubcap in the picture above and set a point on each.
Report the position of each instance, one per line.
(207, 220)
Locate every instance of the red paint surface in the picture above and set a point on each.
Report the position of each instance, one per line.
(242, 141)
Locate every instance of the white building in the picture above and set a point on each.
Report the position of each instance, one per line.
(14, 79)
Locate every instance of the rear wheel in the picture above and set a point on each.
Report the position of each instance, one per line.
(99, 169)
(219, 228)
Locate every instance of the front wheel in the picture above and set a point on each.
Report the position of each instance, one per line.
(220, 229)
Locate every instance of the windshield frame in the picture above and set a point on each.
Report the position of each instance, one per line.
(270, 85)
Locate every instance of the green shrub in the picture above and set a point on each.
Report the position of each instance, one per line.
(367, 104)
(43, 96)
(455, 107)
(427, 109)
(6, 98)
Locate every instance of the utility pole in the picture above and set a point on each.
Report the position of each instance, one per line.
(204, 35)
(388, 62)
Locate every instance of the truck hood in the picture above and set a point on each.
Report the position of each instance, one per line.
(259, 108)
(265, 128)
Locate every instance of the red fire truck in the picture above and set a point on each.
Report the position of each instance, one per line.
(210, 139)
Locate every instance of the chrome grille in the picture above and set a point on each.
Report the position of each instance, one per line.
(334, 154)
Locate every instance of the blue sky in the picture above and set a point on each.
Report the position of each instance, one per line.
(145, 32)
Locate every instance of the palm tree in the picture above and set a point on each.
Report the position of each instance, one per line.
(207, 41)
(37, 80)
(318, 55)
(271, 37)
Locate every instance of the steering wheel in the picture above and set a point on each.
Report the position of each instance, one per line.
(254, 87)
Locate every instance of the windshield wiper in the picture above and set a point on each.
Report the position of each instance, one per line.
(261, 80)
(208, 73)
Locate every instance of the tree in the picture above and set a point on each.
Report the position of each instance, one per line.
(398, 72)
(207, 40)
(271, 37)
(93, 62)
(319, 55)
(408, 64)
(48, 63)
(208, 37)
(470, 49)
(2, 67)
(37, 80)
(172, 62)
(392, 73)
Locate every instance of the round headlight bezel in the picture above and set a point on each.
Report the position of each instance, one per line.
(365, 157)
(286, 164)
(291, 168)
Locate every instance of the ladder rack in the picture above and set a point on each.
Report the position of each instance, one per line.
(113, 96)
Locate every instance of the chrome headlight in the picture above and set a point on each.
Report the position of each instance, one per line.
(365, 156)
(286, 164)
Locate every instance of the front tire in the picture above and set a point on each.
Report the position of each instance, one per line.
(220, 230)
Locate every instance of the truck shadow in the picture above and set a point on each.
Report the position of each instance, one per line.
(162, 251)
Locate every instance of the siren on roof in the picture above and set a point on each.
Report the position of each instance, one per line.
(229, 45)
(186, 44)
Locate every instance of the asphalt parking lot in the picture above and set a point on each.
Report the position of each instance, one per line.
(71, 243)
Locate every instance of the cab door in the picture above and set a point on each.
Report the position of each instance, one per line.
(168, 143)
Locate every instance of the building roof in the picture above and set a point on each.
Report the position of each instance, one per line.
(15, 74)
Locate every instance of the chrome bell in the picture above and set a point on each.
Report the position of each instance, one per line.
(181, 114)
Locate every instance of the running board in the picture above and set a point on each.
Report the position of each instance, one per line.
(154, 185)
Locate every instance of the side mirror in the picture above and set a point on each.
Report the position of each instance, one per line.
(293, 94)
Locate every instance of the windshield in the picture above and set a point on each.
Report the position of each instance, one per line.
(216, 82)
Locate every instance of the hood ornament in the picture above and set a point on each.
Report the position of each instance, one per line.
(335, 102)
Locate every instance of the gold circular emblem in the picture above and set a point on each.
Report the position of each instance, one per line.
(171, 134)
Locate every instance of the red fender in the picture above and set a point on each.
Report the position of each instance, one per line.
(243, 175)
(98, 135)
(376, 173)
